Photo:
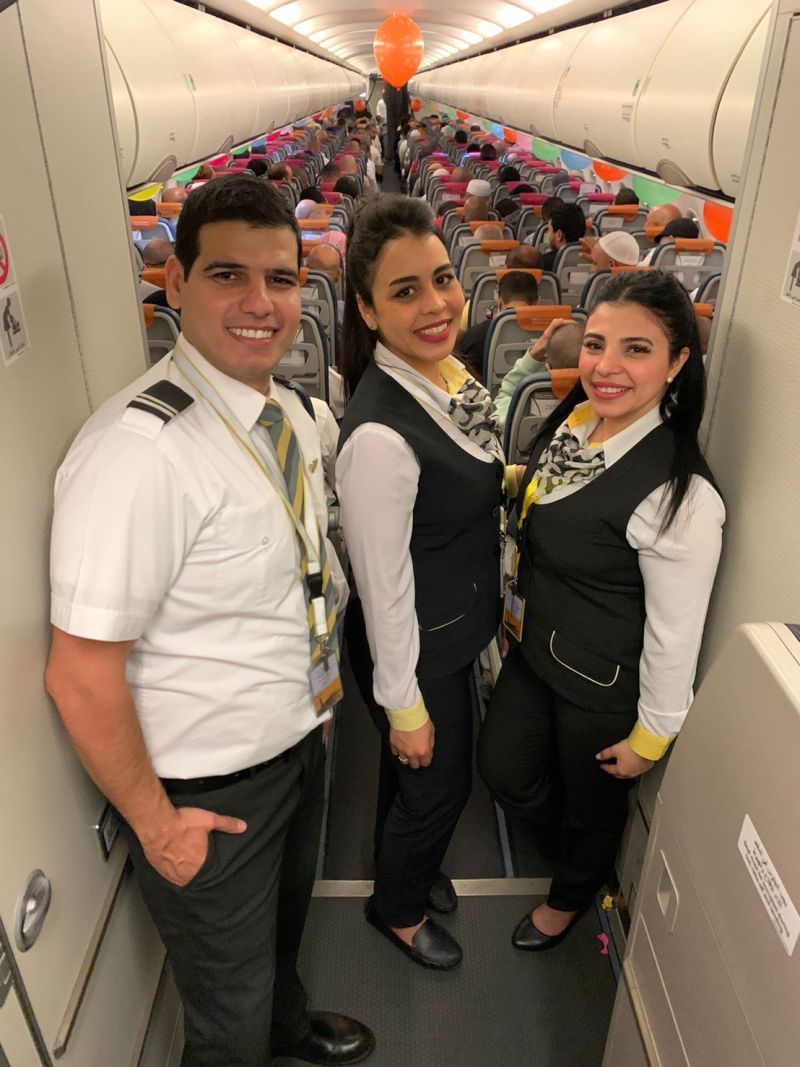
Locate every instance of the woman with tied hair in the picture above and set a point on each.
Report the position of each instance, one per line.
(420, 482)
(619, 539)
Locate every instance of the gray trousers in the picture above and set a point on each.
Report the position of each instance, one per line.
(233, 933)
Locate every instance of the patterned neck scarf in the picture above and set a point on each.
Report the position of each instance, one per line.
(474, 413)
(565, 461)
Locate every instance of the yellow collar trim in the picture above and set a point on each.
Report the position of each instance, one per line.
(453, 374)
(582, 414)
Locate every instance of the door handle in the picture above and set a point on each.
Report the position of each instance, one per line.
(667, 894)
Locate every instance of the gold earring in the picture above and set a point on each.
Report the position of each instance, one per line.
(669, 381)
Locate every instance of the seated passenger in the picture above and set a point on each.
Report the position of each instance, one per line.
(156, 252)
(348, 186)
(330, 172)
(480, 189)
(620, 535)
(567, 225)
(173, 195)
(141, 207)
(488, 153)
(258, 167)
(312, 193)
(546, 212)
(205, 172)
(489, 231)
(525, 257)
(679, 227)
(460, 176)
(626, 195)
(558, 348)
(508, 174)
(615, 249)
(476, 209)
(515, 290)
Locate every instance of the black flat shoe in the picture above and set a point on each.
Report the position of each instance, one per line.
(431, 946)
(334, 1039)
(442, 896)
(530, 939)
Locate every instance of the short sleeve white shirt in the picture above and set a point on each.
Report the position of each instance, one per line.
(171, 536)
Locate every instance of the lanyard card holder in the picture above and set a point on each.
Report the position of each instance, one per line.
(513, 611)
(323, 676)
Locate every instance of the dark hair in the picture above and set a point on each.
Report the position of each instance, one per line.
(311, 192)
(347, 184)
(374, 225)
(447, 207)
(665, 299)
(233, 198)
(461, 137)
(570, 220)
(679, 228)
(508, 174)
(626, 196)
(474, 128)
(259, 167)
(472, 147)
(506, 207)
(549, 206)
(524, 188)
(518, 286)
(330, 170)
(258, 149)
(488, 152)
(141, 207)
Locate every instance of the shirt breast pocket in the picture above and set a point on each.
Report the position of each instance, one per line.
(255, 553)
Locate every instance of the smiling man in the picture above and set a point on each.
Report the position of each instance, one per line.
(193, 658)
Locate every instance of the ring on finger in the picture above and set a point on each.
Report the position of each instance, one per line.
(403, 759)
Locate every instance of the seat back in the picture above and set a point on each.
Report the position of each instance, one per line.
(592, 204)
(628, 217)
(708, 290)
(318, 295)
(485, 286)
(479, 258)
(147, 227)
(462, 234)
(691, 260)
(532, 402)
(163, 325)
(597, 279)
(510, 336)
(530, 220)
(306, 359)
(572, 272)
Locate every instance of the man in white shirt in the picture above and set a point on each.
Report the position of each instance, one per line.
(181, 661)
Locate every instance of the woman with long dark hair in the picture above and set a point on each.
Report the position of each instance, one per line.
(619, 540)
(420, 481)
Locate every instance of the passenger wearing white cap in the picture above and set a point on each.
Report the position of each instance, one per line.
(479, 187)
(615, 249)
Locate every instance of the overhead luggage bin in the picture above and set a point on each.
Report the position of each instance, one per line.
(160, 96)
(126, 119)
(265, 60)
(538, 73)
(595, 113)
(733, 115)
(678, 104)
(213, 69)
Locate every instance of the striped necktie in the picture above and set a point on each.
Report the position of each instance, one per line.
(287, 449)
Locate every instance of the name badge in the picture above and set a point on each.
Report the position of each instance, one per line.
(513, 611)
(326, 683)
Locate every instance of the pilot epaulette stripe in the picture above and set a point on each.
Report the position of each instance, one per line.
(163, 399)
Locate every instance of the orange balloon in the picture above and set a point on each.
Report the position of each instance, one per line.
(462, 115)
(718, 219)
(607, 173)
(416, 105)
(398, 49)
(360, 105)
(510, 135)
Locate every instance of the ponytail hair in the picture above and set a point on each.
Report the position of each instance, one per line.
(683, 403)
(375, 223)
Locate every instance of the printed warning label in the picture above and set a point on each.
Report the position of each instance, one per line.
(780, 908)
(14, 338)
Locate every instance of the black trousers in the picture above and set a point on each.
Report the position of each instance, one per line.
(536, 753)
(417, 809)
(233, 933)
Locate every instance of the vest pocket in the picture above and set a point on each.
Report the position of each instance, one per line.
(455, 610)
(585, 664)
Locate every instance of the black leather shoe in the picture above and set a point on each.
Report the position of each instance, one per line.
(531, 939)
(431, 946)
(333, 1039)
(442, 896)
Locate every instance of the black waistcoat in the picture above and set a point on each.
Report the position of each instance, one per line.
(584, 595)
(455, 532)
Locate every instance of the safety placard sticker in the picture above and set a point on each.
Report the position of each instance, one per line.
(780, 907)
(790, 291)
(14, 337)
